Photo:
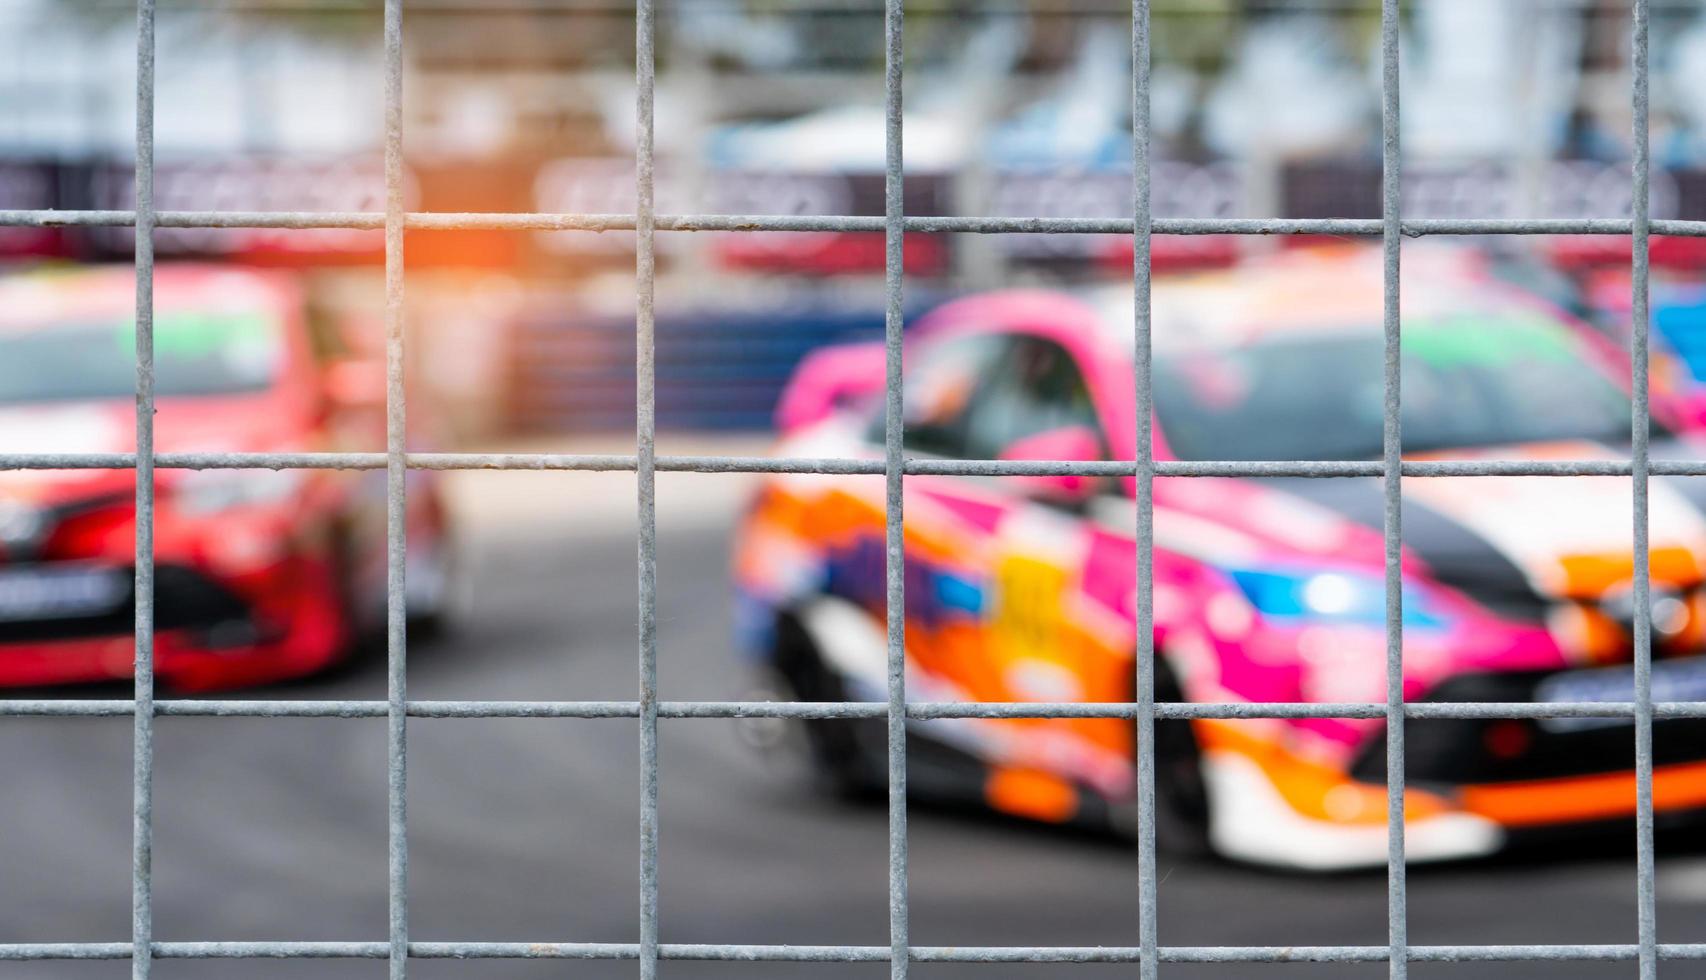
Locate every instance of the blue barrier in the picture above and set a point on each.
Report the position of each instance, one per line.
(716, 370)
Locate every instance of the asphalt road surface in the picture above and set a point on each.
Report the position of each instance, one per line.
(524, 830)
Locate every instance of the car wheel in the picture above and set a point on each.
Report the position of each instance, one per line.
(848, 754)
(439, 592)
(1181, 794)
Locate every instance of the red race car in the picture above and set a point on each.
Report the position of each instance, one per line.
(259, 574)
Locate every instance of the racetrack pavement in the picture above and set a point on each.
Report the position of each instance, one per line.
(526, 830)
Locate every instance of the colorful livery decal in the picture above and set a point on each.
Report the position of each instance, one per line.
(1266, 590)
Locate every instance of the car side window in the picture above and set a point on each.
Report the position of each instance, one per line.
(1036, 387)
(942, 388)
(970, 397)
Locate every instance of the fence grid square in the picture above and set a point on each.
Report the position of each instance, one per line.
(397, 708)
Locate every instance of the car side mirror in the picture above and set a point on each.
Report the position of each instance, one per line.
(1072, 443)
(830, 379)
(355, 382)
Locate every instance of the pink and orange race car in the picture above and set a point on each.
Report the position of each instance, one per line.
(1266, 590)
(259, 574)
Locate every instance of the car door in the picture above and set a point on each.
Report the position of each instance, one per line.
(1051, 620)
(1057, 620)
(950, 521)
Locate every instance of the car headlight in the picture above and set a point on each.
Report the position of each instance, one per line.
(211, 491)
(1332, 596)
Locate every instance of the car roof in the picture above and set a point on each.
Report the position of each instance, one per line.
(1305, 292)
(46, 295)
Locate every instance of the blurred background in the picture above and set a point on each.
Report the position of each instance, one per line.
(1260, 108)
(526, 830)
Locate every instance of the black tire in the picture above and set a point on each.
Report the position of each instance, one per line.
(1181, 795)
(848, 753)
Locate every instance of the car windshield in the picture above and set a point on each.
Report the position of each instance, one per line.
(1467, 381)
(195, 353)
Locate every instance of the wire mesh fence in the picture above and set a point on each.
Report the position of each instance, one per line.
(399, 947)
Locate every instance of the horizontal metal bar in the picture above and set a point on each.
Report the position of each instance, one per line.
(921, 710)
(543, 221)
(847, 954)
(616, 462)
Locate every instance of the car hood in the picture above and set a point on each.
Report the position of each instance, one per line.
(243, 423)
(1519, 543)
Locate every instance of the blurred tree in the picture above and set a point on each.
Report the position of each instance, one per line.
(1203, 39)
(327, 18)
(1199, 39)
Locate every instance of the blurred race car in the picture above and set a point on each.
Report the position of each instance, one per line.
(1598, 276)
(259, 574)
(1266, 590)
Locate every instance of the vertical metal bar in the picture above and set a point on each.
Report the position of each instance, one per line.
(1148, 887)
(142, 749)
(396, 548)
(1396, 914)
(895, 554)
(1646, 915)
(645, 438)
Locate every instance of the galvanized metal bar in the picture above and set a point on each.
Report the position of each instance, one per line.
(847, 466)
(973, 225)
(1397, 916)
(396, 509)
(1646, 903)
(645, 448)
(758, 953)
(1148, 888)
(922, 710)
(894, 552)
(142, 747)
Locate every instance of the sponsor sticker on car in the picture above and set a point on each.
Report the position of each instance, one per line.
(33, 593)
